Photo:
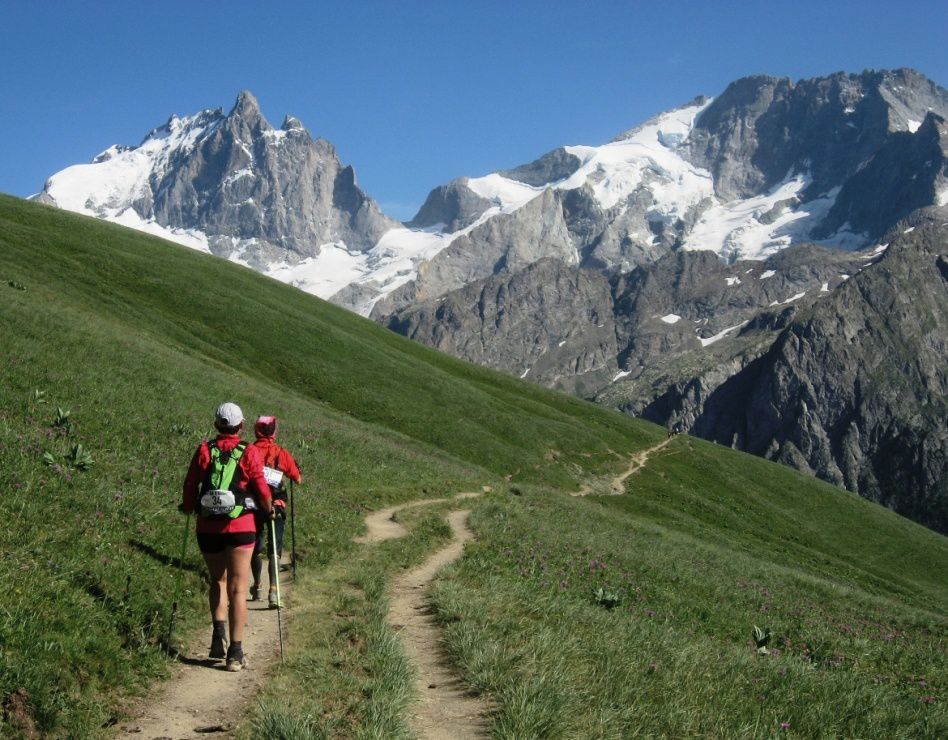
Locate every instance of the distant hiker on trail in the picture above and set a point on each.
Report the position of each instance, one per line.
(278, 466)
(226, 485)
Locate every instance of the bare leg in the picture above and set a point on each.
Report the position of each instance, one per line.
(238, 576)
(256, 562)
(217, 596)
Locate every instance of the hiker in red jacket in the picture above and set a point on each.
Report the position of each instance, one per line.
(226, 486)
(278, 466)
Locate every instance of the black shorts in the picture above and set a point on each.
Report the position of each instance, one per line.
(215, 542)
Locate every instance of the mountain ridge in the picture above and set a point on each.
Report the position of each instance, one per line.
(624, 203)
(574, 243)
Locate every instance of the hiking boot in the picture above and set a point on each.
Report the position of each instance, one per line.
(236, 660)
(255, 592)
(274, 601)
(218, 649)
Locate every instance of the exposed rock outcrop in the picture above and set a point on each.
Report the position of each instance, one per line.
(853, 390)
(549, 322)
(269, 195)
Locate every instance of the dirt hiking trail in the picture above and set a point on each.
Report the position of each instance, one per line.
(446, 709)
(382, 526)
(190, 705)
(617, 484)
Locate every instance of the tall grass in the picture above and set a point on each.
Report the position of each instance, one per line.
(634, 615)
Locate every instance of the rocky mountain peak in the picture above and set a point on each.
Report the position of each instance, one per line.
(909, 93)
(763, 129)
(232, 185)
(452, 206)
(292, 123)
(246, 106)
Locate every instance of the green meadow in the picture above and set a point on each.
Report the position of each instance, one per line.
(580, 617)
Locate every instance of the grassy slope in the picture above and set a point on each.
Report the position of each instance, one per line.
(706, 544)
(131, 336)
(127, 332)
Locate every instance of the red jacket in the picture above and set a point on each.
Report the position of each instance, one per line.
(278, 458)
(250, 477)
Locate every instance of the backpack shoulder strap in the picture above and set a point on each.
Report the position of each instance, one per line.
(223, 465)
(273, 455)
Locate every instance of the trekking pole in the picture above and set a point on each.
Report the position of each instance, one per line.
(177, 586)
(276, 574)
(292, 530)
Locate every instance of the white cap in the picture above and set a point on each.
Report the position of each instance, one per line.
(228, 415)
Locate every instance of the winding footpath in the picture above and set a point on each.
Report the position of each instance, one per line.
(446, 708)
(617, 484)
(189, 705)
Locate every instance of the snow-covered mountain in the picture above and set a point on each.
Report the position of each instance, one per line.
(591, 277)
(276, 200)
(766, 164)
(835, 161)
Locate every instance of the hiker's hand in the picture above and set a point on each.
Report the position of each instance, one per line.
(183, 510)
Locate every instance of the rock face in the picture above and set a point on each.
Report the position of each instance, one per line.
(853, 390)
(451, 207)
(549, 322)
(506, 243)
(688, 300)
(551, 167)
(878, 139)
(769, 163)
(576, 329)
(268, 194)
(907, 173)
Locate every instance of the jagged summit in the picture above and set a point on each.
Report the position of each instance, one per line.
(246, 101)
(766, 164)
(762, 130)
(292, 123)
(247, 108)
(232, 185)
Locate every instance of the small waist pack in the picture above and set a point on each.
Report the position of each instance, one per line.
(224, 505)
(220, 505)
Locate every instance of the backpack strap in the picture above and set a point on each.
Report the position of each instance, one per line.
(273, 455)
(224, 464)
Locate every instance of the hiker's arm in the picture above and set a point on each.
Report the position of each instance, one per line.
(289, 467)
(196, 470)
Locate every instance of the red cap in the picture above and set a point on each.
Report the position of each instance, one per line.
(266, 426)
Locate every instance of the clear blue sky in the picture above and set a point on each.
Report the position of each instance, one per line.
(415, 93)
